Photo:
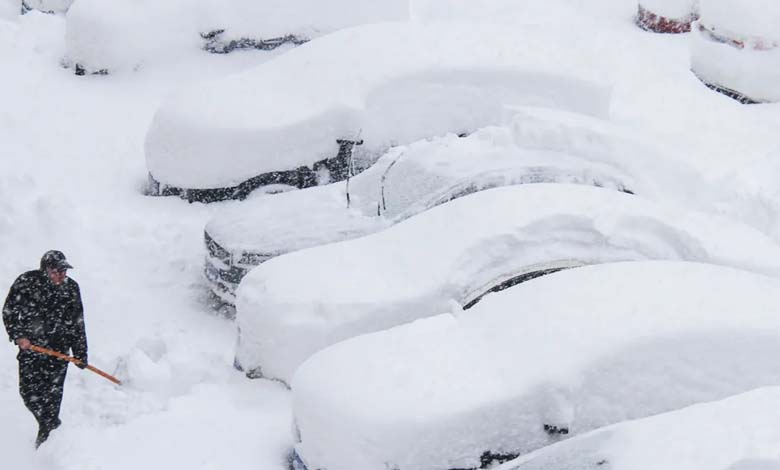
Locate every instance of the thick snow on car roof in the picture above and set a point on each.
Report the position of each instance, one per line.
(737, 433)
(578, 349)
(397, 82)
(123, 34)
(735, 47)
(539, 145)
(745, 18)
(291, 306)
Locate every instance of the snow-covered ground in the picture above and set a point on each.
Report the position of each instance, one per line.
(71, 172)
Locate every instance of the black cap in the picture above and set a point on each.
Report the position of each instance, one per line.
(54, 259)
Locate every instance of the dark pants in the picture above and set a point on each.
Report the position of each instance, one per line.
(41, 382)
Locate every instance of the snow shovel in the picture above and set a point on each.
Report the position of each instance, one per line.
(65, 357)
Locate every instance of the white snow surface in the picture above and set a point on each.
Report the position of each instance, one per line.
(294, 305)
(582, 348)
(745, 18)
(673, 9)
(49, 6)
(71, 171)
(539, 145)
(737, 433)
(388, 84)
(124, 35)
(752, 70)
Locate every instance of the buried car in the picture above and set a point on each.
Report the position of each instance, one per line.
(380, 85)
(291, 306)
(735, 49)
(667, 16)
(555, 357)
(538, 146)
(123, 35)
(737, 433)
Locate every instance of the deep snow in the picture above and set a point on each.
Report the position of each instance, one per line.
(71, 172)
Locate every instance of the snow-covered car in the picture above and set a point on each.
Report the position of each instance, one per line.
(296, 304)
(735, 49)
(667, 16)
(540, 145)
(45, 6)
(119, 35)
(737, 433)
(552, 358)
(383, 85)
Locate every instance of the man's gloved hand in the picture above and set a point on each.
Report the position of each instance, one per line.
(82, 364)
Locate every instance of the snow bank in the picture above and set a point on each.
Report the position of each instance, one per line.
(738, 433)
(9, 9)
(578, 349)
(389, 83)
(539, 145)
(294, 305)
(738, 48)
(747, 17)
(127, 34)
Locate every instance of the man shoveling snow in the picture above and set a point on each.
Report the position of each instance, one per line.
(44, 309)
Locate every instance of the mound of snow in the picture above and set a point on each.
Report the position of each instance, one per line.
(296, 304)
(387, 84)
(578, 350)
(738, 433)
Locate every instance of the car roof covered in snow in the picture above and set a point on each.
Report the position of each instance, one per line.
(387, 84)
(291, 306)
(578, 349)
(539, 145)
(736, 433)
(123, 34)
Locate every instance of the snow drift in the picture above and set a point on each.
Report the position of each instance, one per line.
(387, 84)
(577, 350)
(296, 304)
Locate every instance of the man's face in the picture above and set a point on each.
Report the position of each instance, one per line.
(56, 275)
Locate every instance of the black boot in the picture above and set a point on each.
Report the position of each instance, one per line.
(44, 430)
(43, 434)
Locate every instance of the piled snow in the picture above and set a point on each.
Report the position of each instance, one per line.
(389, 83)
(672, 9)
(738, 433)
(539, 145)
(579, 349)
(125, 34)
(9, 9)
(745, 18)
(290, 221)
(750, 66)
(48, 6)
(294, 305)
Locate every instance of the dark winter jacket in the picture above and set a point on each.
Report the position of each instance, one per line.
(48, 315)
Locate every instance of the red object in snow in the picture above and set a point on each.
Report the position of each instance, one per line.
(649, 21)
